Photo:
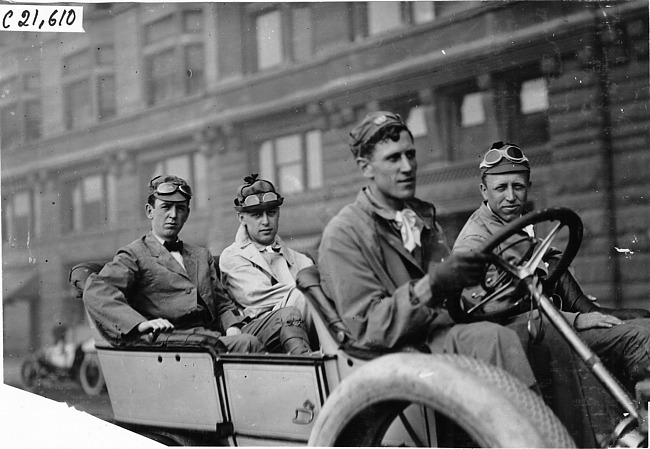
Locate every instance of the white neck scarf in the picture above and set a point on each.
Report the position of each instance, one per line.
(410, 227)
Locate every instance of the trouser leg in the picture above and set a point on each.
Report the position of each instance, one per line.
(624, 348)
(489, 342)
(243, 343)
(282, 330)
(561, 376)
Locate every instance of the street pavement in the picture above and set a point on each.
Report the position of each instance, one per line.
(69, 392)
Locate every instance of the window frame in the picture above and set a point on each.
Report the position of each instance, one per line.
(179, 43)
(74, 215)
(407, 11)
(509, 85)
(96, 69)
(308, 181)
(287, 34)
(9, 216)
(17, 102)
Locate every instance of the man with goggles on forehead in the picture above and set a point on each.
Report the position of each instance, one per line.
(259, 271)
(159, 285)
(620, 337)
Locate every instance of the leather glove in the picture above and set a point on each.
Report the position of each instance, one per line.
(457, 271)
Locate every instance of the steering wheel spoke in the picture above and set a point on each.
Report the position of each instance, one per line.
(500, 293)
(502, 296)
(500, 262)
(540, 250)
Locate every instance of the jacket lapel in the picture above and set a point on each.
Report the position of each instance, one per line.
(164, 257)
(190, 262)
(398, 247)
(251, 253)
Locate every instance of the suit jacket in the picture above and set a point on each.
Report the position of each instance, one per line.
(247, 276)
(382, 292)
(144, 282)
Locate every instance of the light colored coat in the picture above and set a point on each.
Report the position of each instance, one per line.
(247, 276)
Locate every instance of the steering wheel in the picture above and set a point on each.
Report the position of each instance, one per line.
(503, 293)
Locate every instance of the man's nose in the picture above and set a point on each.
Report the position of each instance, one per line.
(406, 164)
(172, 211)
(510, 194)
(265, 217)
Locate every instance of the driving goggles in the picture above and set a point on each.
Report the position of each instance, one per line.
(167, 188)
(511, 152)
(255, 199)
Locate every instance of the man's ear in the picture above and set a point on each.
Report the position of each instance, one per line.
(483, 190)
(240, 216)
(148, 209)
(366, 167)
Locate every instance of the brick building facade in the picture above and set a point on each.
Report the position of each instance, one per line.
(213, 92)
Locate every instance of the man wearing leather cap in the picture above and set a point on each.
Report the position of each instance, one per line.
(158, 284)
(621, 337)
(259, 270)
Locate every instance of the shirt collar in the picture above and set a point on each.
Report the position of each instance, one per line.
(244, 240)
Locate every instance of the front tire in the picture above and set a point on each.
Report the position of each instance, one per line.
(490, 406)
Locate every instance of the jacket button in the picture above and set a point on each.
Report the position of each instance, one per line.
(188, 291)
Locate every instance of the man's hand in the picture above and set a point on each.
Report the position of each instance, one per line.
(459, 270)
(595, 320)
(156, 326)
(233, 330)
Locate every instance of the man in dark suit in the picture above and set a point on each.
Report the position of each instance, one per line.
(159, 284)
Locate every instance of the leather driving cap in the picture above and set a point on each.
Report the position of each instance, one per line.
(256, 195)
(504, 158)
(170, 188)
(371, 123)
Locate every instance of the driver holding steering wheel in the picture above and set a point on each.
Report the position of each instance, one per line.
(620, 336)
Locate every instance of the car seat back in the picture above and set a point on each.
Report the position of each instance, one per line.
(77, 277)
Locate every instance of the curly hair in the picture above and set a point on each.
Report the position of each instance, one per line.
(390, 132)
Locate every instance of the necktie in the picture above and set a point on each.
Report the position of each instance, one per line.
(410, 227)
(176, 246)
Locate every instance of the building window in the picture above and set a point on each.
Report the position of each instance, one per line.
(294, 162)
(89, 86)
(162, 78)
(384, 16)
(20, 110)
(89, 202)
(10, 127)
(19, 216)
(526, 99)
(192, 167)
(281, 35)
(533, 112)
(472, 111)
(467, 119)
(174, 56)
(78, 111)
(390, 15)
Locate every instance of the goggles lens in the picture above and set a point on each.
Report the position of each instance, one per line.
(167, 188)
(254, 200)
(510, 152)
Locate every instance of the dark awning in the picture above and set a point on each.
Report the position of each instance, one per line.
(19, 284)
